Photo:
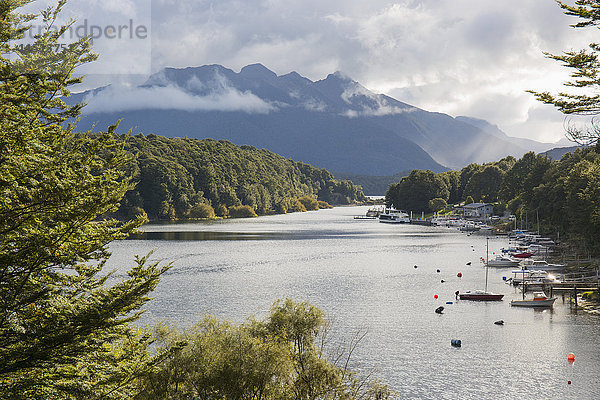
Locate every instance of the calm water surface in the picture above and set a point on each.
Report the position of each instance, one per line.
(362, 274)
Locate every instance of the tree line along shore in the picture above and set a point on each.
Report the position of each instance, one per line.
(561, 196)
(181, 178)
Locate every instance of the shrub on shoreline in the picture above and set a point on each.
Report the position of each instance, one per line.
(242, 212)
(309, 203)
(324, 205)
(202, 211)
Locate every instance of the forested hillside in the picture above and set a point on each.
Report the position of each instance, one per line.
(565, 194)
(175, 177)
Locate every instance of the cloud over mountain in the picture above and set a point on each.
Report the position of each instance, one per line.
(220, 97)
(335, 123)
(452, 56)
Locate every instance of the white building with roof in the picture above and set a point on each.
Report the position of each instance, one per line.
(478, 210)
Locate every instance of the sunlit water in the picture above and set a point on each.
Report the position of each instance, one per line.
(362, 274)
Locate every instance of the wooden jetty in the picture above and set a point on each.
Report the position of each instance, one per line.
(573, 288)
(573, 285)
(424, 222)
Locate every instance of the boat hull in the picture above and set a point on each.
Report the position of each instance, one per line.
(503, 265)
(502, 261)
(533, 303)
(394, 220)
(522, 255)
(480, 296)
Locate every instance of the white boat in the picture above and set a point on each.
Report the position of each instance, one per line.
(503, 261)
(469, 226)
(393, 216)
(532, 277)
(539, 300)
(485, 228)
(539, 250)
(438, 221)
(541, 264)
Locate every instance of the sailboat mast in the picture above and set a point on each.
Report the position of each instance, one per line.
(487, 255)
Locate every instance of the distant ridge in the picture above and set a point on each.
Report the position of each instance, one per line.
(493, 130)
(559, 152)
(334, 123)
(373, 185)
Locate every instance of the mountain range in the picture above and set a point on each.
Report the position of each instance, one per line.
(334, 123)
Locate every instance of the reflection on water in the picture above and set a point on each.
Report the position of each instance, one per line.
(218, 235)
(362, 274)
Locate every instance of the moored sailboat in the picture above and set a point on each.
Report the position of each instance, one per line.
(481, 295)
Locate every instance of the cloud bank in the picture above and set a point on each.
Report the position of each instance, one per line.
(121, 98)
(461, 57)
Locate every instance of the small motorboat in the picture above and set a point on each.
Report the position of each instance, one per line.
(502, 261)
(542, 264)
(469, 227)
(539, 300)
(373, 212)
(532, 277)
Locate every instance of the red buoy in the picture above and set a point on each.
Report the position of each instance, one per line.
(435, 296)
(459, 274)
(571, 357)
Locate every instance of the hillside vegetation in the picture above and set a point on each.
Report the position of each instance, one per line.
(66, 327)
(564, 194)
(184, 178)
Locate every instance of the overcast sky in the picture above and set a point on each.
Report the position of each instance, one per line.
(461, 57)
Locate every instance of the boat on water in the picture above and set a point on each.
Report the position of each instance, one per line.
(539, 250)
(373, 212)
(525, 254)
(502, 261)
(481, 295)
(393, 216)
(542, 264)
(469, 226)
(539, 300)
(532, 277)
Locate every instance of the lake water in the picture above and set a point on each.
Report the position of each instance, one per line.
(361, 273)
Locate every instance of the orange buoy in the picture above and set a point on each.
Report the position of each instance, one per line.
(435, 296)
(571, 357)
(459, 274)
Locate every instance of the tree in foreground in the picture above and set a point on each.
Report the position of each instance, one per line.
(64, 332)
(584, 99)
(65, 327)
(283, 357)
